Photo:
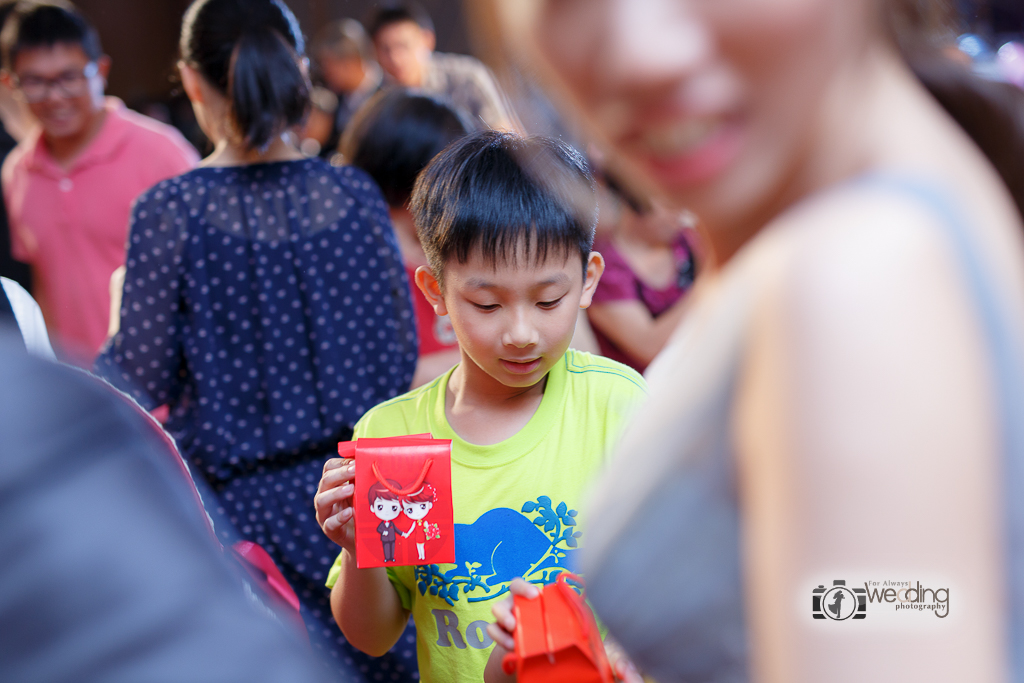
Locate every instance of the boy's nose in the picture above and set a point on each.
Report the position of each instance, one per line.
(520, 332)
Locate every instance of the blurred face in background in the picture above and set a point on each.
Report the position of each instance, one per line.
(403, 51)
(718, 103)
(63, 88)
(343, 75)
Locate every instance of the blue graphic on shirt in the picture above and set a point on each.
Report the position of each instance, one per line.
(501, 545)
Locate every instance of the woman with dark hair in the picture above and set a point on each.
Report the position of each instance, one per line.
(393, 137)
(842, 404)
(264, 301)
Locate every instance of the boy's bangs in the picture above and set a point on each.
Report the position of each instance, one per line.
(517, 245)
(510, 197)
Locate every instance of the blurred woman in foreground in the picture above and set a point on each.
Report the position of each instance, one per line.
(844, 400)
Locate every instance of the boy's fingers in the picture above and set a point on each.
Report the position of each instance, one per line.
(333, 464)
(325, 499)
(336, 476)
(521, 587)
(339, 520)
(501, 637)
(503, 615)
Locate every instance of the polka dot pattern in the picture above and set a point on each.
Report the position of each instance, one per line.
(268, 307)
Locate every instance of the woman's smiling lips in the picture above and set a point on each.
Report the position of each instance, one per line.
(520, 367)
(688, 151)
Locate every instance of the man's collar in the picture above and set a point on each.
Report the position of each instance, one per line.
(106, 143)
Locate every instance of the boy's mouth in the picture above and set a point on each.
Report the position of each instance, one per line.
(521, 367)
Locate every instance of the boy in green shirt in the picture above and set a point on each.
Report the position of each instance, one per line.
(507, 226)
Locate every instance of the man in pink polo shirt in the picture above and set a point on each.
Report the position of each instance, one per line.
(70, 186)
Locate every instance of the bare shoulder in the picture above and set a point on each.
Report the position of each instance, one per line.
(866, 330)
(874, 246)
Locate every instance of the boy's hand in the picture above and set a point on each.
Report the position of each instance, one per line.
(503, 628)
(504, 620)
(505, 625)
(333, 502)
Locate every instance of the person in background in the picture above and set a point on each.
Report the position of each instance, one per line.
(110, 571)
(265, 303)
(393, 138)
(16, 124)
(403, 36)
(69, 186)
(343, 56)
(650, 265)
(17, 306)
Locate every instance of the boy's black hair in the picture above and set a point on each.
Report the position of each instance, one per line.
(394, 13)
(395, 135)
(44, 24)
(499, 191)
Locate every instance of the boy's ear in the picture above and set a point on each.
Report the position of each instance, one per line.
(431, 288)
(595, 267)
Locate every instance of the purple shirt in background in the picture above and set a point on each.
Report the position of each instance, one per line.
(620, 283)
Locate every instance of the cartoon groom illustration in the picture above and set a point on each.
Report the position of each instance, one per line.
(386, 506)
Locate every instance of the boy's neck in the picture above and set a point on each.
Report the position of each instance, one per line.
(482, 410)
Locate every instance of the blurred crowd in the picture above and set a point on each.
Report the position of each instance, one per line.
(226, 315)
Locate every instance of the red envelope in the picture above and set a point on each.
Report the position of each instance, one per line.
(403, 500)
(557, 639)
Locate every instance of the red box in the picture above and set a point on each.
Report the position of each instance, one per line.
(403, 500)
(557, 639)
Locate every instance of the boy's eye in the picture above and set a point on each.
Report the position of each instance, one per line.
(550, 304)
(486, 307)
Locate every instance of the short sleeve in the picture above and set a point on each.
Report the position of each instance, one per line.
(618, 283)
(404, 594)
(144, 358)
(624, 402)
(334, 572)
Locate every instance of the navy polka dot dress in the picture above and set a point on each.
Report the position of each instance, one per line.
(268, 308)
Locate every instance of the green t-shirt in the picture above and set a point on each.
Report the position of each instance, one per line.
(516, 503)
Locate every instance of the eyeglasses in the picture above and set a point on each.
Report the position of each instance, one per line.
(67, 84)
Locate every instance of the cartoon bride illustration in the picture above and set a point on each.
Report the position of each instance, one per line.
(416, 506)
